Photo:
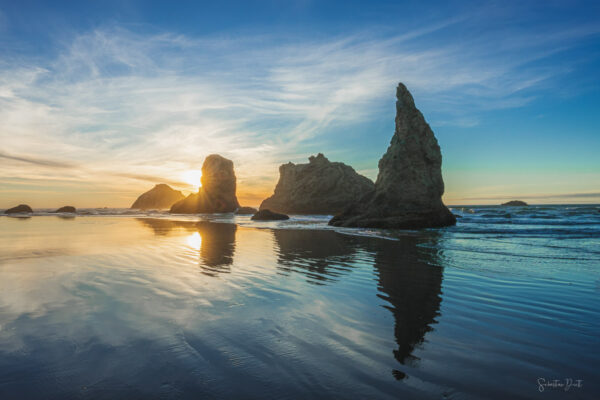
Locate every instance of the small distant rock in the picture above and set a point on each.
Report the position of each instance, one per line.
(66, 209)
(515, 203)
(268, 215)
(21, 208)
(159, 197)
(246, 211)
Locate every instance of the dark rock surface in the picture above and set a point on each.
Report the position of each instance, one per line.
(268, 215)
(217, 194)
(409, 187)
(21, 208)
(319, 187)
(159, 197)
(515, 203)
(66, 209)
(246, 211)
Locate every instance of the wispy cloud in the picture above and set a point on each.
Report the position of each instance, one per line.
(80, 171)
(37, 161)
(150, 106)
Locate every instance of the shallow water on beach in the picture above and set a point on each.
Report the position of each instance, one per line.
(119, 305)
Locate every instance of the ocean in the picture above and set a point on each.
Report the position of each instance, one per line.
(118, 304)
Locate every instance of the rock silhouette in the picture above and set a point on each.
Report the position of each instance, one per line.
(217, 194)
(268, 215)
(515, 203)
(160, 196)
(319, 187)
(66, 209)
(409, 187)
(21, 208)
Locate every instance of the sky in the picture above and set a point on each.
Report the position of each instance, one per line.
(100, 100)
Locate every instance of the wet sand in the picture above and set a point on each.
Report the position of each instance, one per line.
(107, 307)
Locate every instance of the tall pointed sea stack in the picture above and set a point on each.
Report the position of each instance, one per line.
(409, 187)
(217, 194)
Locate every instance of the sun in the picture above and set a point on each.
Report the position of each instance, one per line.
(192, 177)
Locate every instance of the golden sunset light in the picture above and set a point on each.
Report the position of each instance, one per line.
(194, 241)
(299, 199)
(192, 177)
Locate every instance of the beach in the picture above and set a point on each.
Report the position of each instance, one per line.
(115, 304)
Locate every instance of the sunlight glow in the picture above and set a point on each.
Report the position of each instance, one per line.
(194, 240)
(193, 178)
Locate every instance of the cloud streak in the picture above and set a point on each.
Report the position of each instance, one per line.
(37, 161)
(116, 103)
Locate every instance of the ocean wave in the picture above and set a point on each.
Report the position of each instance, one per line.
(532, 221)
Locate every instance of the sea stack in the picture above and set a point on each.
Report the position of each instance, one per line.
(409, 187)
(159, 197)
(66, 209)
(515, 203)
(217, 194)
(268, 215)
(319, 187)
(21, 208)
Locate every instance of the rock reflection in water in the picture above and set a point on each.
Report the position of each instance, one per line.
(217, 247)
(408, 275)
(214, 241)
(320, 255)
(163, 227)
(410, 280)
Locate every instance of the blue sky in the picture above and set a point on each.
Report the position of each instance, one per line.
(100, 100)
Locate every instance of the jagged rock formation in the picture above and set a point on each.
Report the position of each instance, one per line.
(319, 187)
(21, 208)
(160, 196)
(246, 211)
(409, 187)
(217, 194)
(66, 209)
(515, 203)
(268, 215)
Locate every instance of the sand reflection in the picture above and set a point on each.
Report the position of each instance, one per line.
(321, 255)
(131, 290)
(194, 241)
(215, 242)
(409, 278)
(408, 275)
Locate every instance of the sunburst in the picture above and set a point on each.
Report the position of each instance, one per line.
(192, 177)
